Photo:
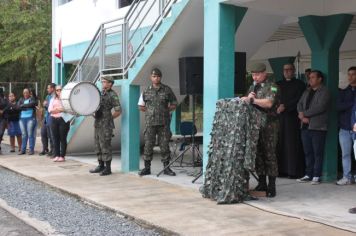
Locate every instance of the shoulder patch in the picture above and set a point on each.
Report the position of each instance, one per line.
(273, 89)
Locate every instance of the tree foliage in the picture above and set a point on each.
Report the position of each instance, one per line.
(25, 41)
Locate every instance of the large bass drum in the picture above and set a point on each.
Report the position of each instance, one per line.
(81, 98)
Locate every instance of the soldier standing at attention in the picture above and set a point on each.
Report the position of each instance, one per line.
(157, 101)
(263, 95)
(104, 125)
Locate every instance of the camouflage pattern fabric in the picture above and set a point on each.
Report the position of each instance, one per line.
(232, 150)
(104, 124)
(156, 102)
(164, 135)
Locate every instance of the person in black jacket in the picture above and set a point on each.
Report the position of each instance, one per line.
(345, 103)
(12, 115)
(3, 104)
(28, 121)
(289, 149)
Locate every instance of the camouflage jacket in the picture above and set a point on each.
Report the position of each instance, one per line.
(267, 90)
(103, 117)
(156, 102)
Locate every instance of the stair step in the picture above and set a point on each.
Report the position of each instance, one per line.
(157, 36)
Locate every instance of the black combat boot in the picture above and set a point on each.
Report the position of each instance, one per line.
(271, 190)
(262, 184)
(168, 171)
(99, 168)
(107, 170)
(146, 170)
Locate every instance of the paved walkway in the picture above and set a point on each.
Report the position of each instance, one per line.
(169, 206)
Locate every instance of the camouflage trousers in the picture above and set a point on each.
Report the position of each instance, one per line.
(266, 159)
(102, 137)
(164, 135)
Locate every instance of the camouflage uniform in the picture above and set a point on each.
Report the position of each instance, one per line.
(266, 160)
(157, 118)
(104, 124)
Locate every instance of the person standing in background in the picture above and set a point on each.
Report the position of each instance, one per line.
(46, 131)
(59, 127)
(12, 115)
(289, 148)
(3, 105)
(104, 126)
(345, 104)
(28, 121)
(313, 109)
(157, 101)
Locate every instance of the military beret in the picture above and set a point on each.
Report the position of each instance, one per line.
(108, 78)
(157, 72)
(258, 67)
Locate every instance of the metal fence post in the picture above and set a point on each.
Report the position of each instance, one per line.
(161, 6)
(102, 49)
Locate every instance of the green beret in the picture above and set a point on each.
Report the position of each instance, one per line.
(108, 78)
(157, 72)
(258, 67)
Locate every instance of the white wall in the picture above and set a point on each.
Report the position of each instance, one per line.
(78, 20)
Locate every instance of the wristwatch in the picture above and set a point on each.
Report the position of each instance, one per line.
(252, 100)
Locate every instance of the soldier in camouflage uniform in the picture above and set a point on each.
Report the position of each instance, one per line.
(263, 94)
(157, 101)
(104, 125)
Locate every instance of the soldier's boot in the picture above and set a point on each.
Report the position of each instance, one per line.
(271, 190)
(167, 170)
(262, 184)
(146, 170)
(99, 168)
(107, 170)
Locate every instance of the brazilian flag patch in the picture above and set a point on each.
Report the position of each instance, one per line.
(274, 89)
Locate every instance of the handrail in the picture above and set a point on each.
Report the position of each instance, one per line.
(98, 52)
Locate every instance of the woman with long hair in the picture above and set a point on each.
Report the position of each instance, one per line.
(59, 127)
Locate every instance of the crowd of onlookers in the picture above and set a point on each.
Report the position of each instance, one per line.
(304, 116)
(19, 117)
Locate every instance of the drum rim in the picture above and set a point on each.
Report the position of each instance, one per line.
(77, 84)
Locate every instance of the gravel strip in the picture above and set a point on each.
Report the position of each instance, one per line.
(66, 214)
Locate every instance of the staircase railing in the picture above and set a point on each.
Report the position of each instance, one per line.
(117, 43)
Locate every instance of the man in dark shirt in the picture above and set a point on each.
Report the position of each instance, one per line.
(289, 149)
(345, 103)
(313, 114)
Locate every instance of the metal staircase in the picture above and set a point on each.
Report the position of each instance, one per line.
(118, 43)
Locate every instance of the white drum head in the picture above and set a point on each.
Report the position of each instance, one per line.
(84, 98)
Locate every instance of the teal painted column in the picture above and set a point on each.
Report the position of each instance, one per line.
(176, 119)
(277, 64)
(220, 24)
(324, 35)
(130, 127)
(57, 73)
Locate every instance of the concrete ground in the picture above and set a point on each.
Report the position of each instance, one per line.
(174, 203)
(10, 225)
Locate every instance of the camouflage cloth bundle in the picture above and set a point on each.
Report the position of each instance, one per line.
(232, 151)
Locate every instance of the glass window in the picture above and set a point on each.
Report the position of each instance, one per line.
(124, 3)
